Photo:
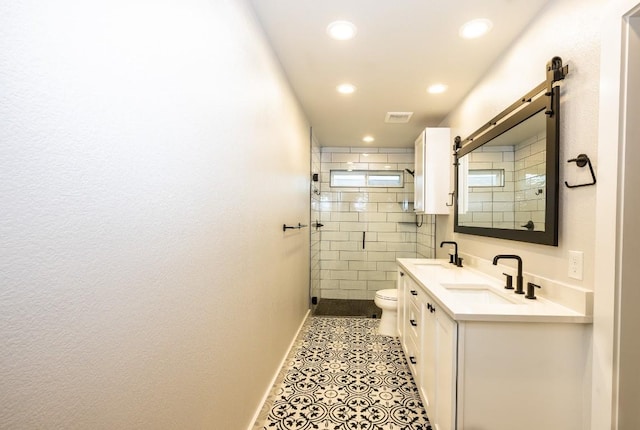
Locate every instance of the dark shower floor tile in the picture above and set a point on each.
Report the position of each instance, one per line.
(347, 308)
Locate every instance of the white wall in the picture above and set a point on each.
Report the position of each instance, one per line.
(616, 350)
(573, 30)
(569, 29)
(150, 153)
(629, 296)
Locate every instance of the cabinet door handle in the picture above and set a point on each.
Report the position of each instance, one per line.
(413, 360)
(413, 323)
(414, 293)
(401, 273)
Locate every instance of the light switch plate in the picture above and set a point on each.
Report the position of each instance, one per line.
(576, 263)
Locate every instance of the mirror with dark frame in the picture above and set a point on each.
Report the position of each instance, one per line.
(506, 180)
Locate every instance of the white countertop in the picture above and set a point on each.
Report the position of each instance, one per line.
(441, 280)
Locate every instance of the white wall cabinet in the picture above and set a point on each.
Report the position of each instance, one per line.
(492, 375)
(432, 165)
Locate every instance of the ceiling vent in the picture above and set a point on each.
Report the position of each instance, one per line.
(398, 117)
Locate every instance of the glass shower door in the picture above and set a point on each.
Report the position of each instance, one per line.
(315, 231)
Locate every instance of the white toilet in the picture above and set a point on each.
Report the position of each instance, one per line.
(387, 300)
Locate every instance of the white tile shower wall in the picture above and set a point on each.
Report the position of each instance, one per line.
(492, 206)
(522, 197)
(383, 217)
(426, 236)
(530, 182)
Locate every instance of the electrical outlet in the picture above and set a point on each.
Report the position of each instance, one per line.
(576, 264)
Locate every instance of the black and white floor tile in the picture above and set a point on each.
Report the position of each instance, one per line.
(342, 375)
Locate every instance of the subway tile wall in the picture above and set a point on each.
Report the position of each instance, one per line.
(492, 206)
(530, 182)
(522, 198)
(426, 236)
(382, 217)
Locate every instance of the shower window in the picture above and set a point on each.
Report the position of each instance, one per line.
(367, 178)
(485, 178)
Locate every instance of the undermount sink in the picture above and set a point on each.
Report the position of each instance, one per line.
(429, 262)
(477, 294)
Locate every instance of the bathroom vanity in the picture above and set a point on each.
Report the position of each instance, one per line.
(484, 358)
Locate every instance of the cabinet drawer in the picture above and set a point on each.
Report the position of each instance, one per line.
(414, 293)
(412, 356)
(413, 322)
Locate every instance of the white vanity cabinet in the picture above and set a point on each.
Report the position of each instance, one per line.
(476, 373)
(429, 340)
(410, 322)
(432, 163)
(446, 342)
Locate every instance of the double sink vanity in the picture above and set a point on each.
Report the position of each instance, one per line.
(485, 358)
(491, 348)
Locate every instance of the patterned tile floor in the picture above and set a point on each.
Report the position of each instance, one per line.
(342, 375)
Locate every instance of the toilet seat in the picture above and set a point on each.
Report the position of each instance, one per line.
(391, 294)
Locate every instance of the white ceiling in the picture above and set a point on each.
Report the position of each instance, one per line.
(401, 47)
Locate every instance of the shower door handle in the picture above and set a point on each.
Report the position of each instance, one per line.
(363, 236)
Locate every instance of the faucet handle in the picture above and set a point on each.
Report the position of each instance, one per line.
(509, 285)
(530, 291)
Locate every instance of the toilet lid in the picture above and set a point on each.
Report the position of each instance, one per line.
(391, 294)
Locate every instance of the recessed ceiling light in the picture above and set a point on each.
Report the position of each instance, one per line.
(475, 28)
(368, 139)
(346, 88)
(341, 30)
(437, 89)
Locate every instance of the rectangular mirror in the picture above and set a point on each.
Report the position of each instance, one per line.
(507, 172)
(502, 183)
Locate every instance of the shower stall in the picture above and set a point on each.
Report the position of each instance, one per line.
(362, 219)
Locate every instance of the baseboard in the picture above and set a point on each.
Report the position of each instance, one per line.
(256, 415)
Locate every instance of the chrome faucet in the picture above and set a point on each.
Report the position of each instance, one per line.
(453, 259)
(519, 289)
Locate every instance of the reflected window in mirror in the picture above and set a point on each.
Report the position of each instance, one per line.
(482, 178)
